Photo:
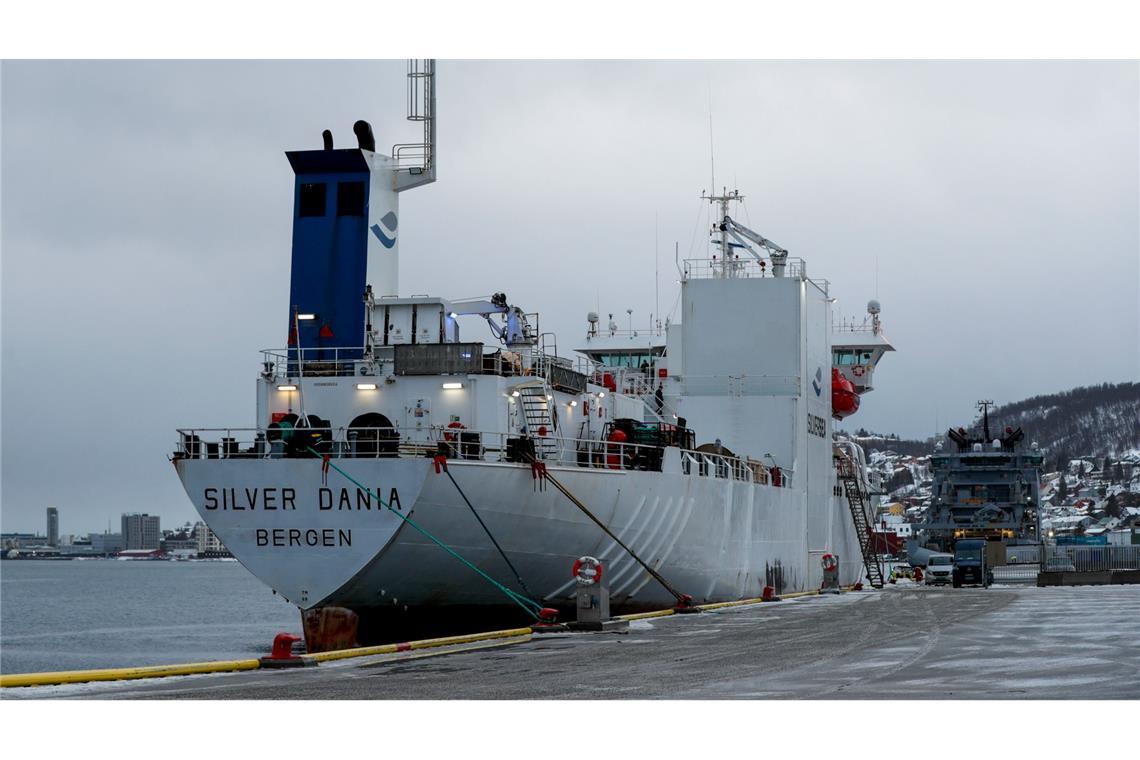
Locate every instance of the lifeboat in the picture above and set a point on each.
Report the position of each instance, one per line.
(844, 399)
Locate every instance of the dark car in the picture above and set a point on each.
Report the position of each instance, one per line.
(970, 563)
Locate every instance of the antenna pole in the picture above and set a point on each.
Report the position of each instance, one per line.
(984, 408)
(712, 161)
(656, 272)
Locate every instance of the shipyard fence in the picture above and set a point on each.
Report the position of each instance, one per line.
(1023, 563)
(1091, 559)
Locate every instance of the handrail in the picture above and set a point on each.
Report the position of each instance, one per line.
(345, 361)
(464, 444)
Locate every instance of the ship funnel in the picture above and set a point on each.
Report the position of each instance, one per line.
(364, 136)
(326, 138)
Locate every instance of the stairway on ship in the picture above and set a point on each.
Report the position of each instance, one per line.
(538, 412)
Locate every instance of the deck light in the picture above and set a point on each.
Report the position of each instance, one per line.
(452, 386)
(601, 394)
(573, 403)
(515, 394)
(286, 387)
(549, 397)
(452, 314)
(366, 386)
(307, 317)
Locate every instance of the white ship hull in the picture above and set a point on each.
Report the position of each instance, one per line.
(718, 425)
(716, 539)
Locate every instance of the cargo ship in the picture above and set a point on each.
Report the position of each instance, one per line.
(402, 447)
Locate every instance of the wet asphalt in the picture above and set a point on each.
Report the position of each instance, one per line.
(906, 642)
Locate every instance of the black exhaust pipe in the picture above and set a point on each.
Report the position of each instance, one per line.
(364, 136)
(326, 137)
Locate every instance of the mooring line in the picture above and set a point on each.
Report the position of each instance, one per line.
(503, 554)
(517, 598)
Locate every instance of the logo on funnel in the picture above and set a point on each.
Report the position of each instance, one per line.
(387, 234)
(816, 384)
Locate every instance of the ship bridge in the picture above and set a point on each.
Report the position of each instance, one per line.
(856, 348)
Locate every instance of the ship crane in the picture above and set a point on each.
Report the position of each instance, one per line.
(744, 237)
(516, 330)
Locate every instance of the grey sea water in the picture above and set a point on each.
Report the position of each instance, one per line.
(68, 615)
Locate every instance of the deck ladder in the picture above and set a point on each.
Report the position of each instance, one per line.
(538, 414)
(856, 500)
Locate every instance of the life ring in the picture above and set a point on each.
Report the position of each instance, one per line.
(587, 571)
(858, 370)
(452, 431)
(829, 562)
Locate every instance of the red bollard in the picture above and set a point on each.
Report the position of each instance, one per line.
(282, 654)
(283, 646)
(684, 606)
(548, 622)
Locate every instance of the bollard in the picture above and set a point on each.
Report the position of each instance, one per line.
(592, 599)
(548, 622)
(282, 655)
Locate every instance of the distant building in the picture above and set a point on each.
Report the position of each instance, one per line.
(52, 526)
(208, 543)
(20, 540)
(179, 541)
(105, 543)
(141, 532)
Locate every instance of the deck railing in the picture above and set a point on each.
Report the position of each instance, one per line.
(290, 364)
(460, 444)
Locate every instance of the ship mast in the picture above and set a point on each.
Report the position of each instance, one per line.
(984, 408)
(727, 267)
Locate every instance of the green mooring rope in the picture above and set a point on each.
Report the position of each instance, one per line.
(532, 607)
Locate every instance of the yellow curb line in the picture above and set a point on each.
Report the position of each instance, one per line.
(342, 654)
(125, 674)
(644, 615)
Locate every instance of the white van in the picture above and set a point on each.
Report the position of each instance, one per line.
(939, 569)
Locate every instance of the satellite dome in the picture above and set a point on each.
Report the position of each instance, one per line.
(873, 307)
(592, 317)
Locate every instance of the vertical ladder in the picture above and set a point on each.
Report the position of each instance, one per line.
(863, 529)
(538, 415)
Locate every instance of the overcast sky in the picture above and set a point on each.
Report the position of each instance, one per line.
(146, 228)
